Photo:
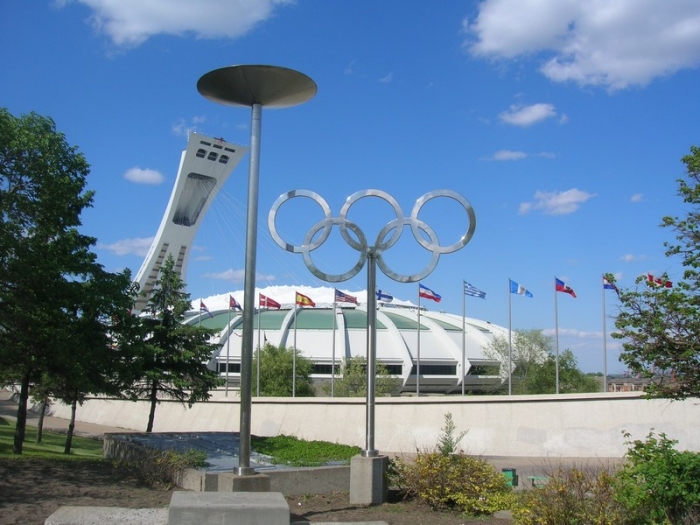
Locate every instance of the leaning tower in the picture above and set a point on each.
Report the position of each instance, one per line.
(204, 168)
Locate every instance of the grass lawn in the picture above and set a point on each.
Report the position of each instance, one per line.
(51, 446)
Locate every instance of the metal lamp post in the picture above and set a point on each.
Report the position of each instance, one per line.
(254, 86)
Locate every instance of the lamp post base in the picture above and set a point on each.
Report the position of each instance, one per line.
(368, 483)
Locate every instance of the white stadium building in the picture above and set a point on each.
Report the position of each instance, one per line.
(327, 342)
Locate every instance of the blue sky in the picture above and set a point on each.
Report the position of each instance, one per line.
(561, 121)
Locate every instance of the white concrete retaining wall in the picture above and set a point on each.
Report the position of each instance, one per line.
(575, 425)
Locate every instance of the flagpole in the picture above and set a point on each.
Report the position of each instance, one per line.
(257, 379)
(228, 347)
(556, 331)
(294, 354)
(464, 329)
(605, 345)
(333, 352)
(510, 344)
(418, 351)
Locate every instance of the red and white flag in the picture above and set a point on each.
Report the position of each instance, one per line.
(266, 302)
(659, 281)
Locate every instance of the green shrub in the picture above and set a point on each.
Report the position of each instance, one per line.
(446, 478)
(448, 442)
(289, 450)
(659, 484)
(571, 496)
(162, 467)
(455, 481)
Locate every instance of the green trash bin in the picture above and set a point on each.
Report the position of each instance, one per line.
(511, 476)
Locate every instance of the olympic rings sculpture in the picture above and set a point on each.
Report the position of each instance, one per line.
(387, 237)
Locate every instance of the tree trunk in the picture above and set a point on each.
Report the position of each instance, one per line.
(154, 400)
(71, 427)
(40, 424)
(21, 425)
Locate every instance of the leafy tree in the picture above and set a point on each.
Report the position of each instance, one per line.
(276, 372)
(353, 380)
(43, 257)
(534, 364)
(530, 349)
(172, 356)
(660, 326)
(542, 379)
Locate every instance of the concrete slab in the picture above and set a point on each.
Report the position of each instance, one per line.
(228, 508)
(70, 515)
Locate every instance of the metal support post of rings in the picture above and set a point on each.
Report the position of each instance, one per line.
(387, 237)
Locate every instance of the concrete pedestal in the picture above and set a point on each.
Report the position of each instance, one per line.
(368, 483)
(228, 508)
(230, 482)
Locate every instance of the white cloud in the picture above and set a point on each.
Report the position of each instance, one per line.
(611, 44)
(630, 257)
(129, 23)
(572, 332)
(509, 155)
(561, 203)
(182, 128)
(143, 176)
(137, 246)
(505, 154)
(387, 79)
(527, 115)
(237, 276)
(637, 197)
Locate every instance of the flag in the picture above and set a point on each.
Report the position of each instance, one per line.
(517, 289)
(341, 297)
(659, 281)
(267, 302)
(607, 285)
(427, 293)
(203, 308)
(303, 300)
(384, 296)
(233, 304)
(474, 292)
(561, 287)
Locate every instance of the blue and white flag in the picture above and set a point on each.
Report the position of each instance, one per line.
(384, 296)
(473, 291)
(607, 285)
(517, 289)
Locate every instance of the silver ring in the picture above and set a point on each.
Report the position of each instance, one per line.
(387, 237)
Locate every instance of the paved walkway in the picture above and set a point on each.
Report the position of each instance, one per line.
(8, 411)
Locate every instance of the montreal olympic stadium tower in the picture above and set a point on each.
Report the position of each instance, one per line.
(451, 358)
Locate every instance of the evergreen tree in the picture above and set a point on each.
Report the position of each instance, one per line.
(172, 356)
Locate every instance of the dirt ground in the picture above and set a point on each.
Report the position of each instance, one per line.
(32, 489)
